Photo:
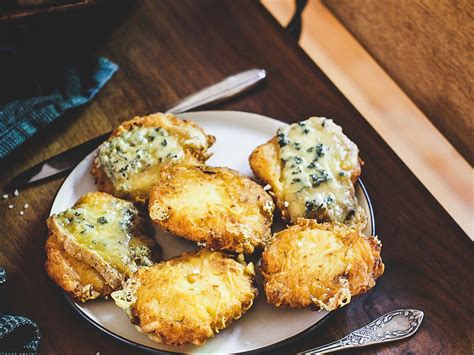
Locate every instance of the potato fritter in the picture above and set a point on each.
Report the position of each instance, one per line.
(311, 167)
(78, 278)
(96, 244)
(129, 161)
(188, 299)
(216, 207)
(321, 266)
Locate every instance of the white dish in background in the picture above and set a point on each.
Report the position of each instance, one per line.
(237, 134)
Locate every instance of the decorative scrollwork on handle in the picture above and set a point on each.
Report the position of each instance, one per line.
(394, 325)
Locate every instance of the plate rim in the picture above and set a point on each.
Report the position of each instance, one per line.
(273, 346)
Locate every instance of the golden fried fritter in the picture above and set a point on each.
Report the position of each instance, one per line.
(76, 277)
(128, 163)
(216, 207)
(96, 244)
(311, 265)
(188, 299)
(311, 167)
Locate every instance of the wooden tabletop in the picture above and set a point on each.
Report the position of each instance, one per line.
(168, 49)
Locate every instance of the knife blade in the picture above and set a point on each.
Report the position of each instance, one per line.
(67, 160)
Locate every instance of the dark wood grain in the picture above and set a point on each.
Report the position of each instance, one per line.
(167, 49)
(11, 11)
(426, 47)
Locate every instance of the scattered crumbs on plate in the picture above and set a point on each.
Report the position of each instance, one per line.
(10, 207)
(5, 196)
(22, 213)
(26, 205)
(267, 187)
(16, 192)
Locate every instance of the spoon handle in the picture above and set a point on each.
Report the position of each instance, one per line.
(394, 325)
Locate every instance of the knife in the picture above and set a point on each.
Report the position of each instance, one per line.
(67, 160)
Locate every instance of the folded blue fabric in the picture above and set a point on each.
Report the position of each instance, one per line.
(77, 84)
(18, 335)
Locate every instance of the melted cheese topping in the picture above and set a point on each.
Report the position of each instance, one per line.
(318, 161)
(137, 150)
(127, 297)
(108, 228)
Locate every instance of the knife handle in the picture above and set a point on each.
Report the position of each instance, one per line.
(68, 159)
(230, 86)
(222, 90)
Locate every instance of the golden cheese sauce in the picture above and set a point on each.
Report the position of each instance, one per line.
(318, 161)
(136, 150)
(107, 228)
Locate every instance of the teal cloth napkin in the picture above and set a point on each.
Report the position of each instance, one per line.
(54, 94)
(17, 334)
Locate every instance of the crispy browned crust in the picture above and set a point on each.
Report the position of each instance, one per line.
(177, 306)
(102, 180)
(81, 280)
(77, 251)
(319, 266)
(266, 165)
(167, 121)
(216, 207)
(82, 263)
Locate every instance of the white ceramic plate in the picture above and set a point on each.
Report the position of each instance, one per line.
(237, 134)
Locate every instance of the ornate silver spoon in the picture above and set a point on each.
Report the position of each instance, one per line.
(394, 325)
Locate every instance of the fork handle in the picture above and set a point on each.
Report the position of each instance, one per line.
(394, 325)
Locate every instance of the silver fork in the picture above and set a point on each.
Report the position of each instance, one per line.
(394, 325)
